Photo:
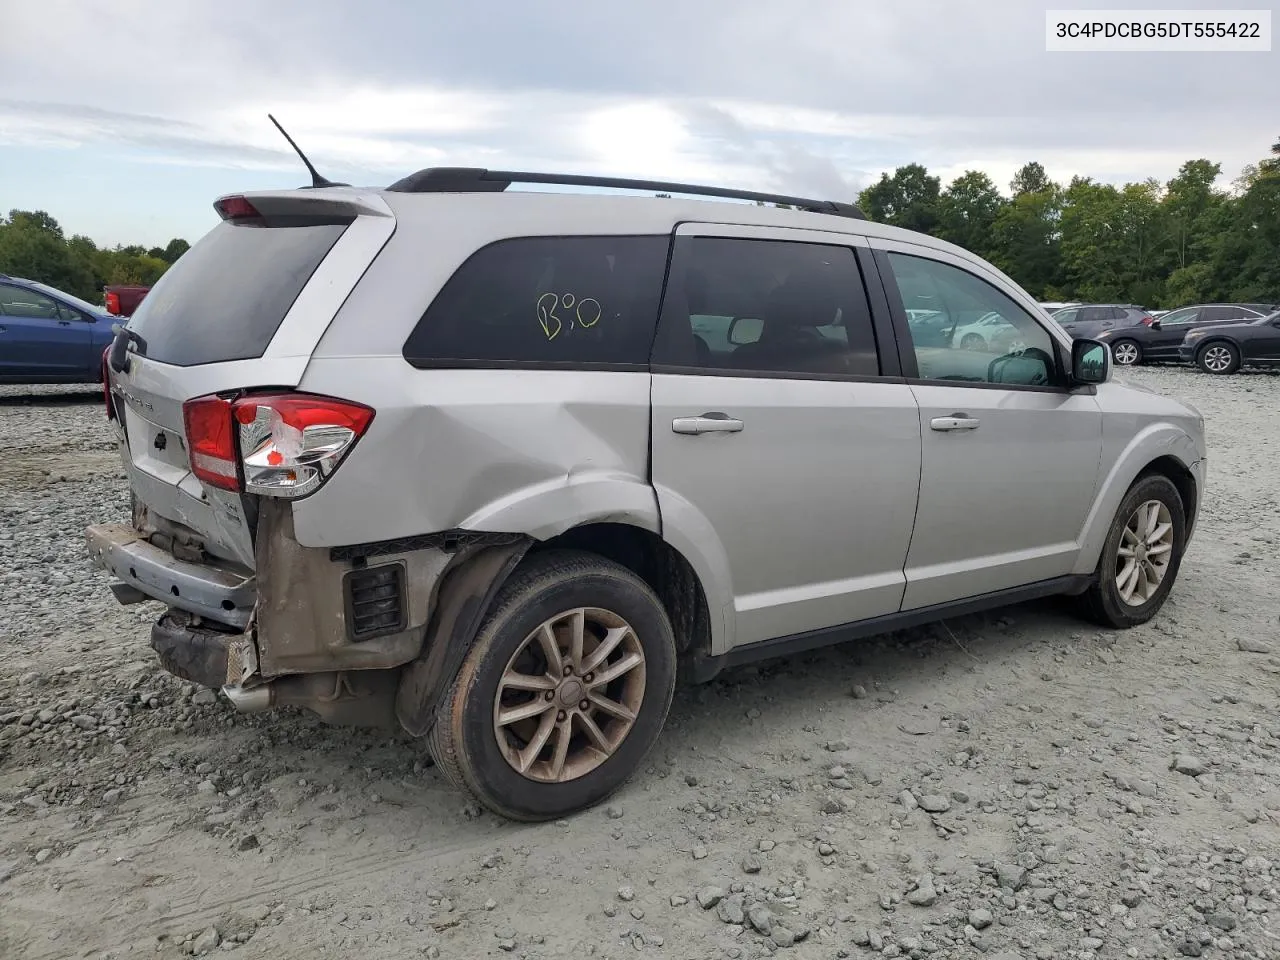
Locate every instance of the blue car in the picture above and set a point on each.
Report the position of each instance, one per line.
(47, 336)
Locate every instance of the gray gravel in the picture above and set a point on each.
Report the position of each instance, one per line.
(1017, 785)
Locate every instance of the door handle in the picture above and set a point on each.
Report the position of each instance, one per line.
(957, 421)
(707, 423)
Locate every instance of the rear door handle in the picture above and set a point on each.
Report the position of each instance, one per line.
(707, 423)
(957, 421)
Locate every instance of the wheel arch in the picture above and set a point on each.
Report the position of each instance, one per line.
(659, 564)
(1160, 449)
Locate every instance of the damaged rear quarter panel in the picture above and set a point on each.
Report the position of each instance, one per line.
(300, 616)
(513, 451)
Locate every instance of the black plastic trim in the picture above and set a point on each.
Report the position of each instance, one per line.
(424, 363)
(677, 370)
(450, 541)
(881, 315)
(705, 668)
(480, 180)
(349, 586)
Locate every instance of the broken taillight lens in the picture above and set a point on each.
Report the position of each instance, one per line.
(275, 444)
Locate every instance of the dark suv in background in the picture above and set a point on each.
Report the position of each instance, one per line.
(1162, 339)
(1087, 321)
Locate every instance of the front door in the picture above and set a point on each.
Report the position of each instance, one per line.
(1010, 456)
(779, 449)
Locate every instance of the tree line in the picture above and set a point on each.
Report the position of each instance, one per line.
(33, 246)
(1150, 243)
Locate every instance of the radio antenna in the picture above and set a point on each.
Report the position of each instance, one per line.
(316, 179)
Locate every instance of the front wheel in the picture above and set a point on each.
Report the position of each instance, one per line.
(973, 341)
(1127, 353)
(563, 692)
(1141, 556)
(1218, 358)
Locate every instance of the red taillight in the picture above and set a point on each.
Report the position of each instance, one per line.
(236, 208)
(282, 444)
(113, 303)
(211, 442)
(106, 385)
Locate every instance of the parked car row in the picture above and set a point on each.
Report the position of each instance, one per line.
(1218, 338)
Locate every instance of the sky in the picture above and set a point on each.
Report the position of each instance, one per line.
(125, 119)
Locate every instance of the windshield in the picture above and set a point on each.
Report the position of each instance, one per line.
(67, 298)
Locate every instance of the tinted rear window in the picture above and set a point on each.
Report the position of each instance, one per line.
(547, 300)
(225, 297)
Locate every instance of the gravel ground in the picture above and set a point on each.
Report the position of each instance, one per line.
(1015, 785)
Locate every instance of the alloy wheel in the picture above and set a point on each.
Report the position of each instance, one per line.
(1126, 354)
(1146, 547)
(1217, 358)
(570, 695)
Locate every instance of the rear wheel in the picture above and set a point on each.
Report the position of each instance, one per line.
(1126, 353)
(563, 692)
(1219, 357)
(1141, 556)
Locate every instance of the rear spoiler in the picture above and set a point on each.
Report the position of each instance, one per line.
(294, 208)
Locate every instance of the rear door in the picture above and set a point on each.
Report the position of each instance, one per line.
(784, 443)
(40, 338)
(1010, 454)
(242, 308)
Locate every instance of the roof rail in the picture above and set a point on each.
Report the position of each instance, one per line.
(479, 180)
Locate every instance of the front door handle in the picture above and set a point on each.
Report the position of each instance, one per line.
(707, 423)
(957, 421)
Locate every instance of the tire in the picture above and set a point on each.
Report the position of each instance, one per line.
(1126, 353)
(973, 341)
(1219, 357)
(545, 589)
(1103, 602)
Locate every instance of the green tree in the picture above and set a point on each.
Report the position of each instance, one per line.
(907, 199)
(1025, 241)
(1030, 178)
(967, 211)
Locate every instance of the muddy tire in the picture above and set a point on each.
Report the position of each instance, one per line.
(1140, 558)
(563, 692)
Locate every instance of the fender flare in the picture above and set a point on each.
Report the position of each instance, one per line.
(1158, 440)
(466, 592)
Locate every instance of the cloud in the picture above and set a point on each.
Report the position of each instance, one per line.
(810, 97)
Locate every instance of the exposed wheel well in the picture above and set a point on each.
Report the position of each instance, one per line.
(1181, 478)
(657, 563)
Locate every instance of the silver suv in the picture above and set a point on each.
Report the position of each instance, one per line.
(492, 467)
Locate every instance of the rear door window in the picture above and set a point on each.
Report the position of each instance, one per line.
(767, 307)
(543, 301)
(225, 298)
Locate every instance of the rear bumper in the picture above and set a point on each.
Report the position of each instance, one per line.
(210, 591)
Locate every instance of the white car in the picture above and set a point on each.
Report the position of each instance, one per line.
(991, 333)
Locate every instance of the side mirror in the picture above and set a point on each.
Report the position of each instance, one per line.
(1090, 362)
(744, 330)
(1155, 324)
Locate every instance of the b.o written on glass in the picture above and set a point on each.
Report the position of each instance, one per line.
(555, 310)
